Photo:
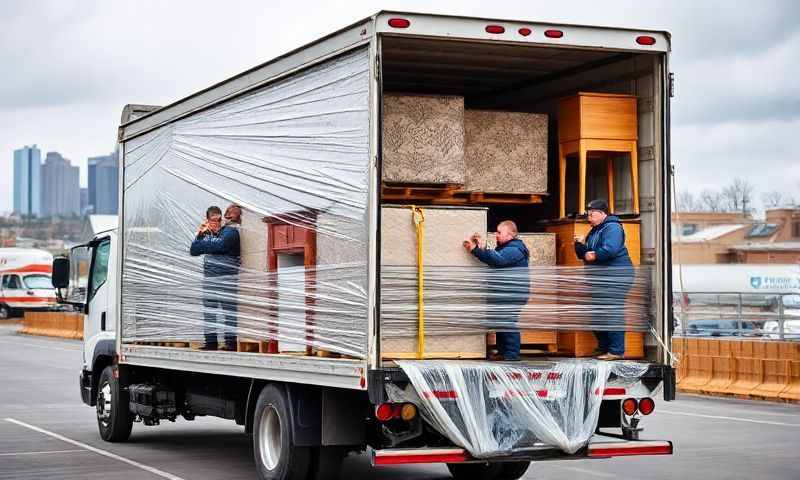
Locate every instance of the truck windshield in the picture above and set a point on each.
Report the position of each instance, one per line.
(38, 282)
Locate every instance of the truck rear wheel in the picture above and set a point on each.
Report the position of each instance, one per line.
(276, 456)
(113, 415)
(5, 311)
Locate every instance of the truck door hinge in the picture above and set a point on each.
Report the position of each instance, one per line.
(377, 67)
(671, 85)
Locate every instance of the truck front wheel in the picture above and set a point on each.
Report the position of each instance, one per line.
(276, 456)
(113, 415)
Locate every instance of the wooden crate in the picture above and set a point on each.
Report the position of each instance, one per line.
(582, 343)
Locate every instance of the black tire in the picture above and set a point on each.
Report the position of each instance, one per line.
(326, 463)
(5, 311)
(276, 456)
(475, 471)
(513, 470)
(114, 419)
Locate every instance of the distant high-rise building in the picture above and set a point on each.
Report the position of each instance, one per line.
(27, 181)
(85, 201)
(61, 189)
(103, 177)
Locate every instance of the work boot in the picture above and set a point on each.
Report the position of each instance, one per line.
(610, 356)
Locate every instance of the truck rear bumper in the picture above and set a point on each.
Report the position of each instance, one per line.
(622, 448)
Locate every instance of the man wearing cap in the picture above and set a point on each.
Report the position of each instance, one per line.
(605, 248)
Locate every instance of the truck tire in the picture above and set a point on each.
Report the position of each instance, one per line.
(276, 456)
(114, 418)
(5, 311)
(475, 471)
(513, 470)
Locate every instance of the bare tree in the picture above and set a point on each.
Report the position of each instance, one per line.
(712, 201)
(738, 196)
(773, 199)
(687, 202)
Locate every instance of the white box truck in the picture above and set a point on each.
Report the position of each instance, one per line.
(296, 144)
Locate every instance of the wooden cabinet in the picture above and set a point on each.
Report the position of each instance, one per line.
(566, 230)
(597, 122)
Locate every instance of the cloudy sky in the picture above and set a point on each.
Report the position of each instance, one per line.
(69, 66)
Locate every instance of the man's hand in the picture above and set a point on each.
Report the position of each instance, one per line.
(477, 240)
(202, 229)
(590, 256)
(577, 238)
(469, 245)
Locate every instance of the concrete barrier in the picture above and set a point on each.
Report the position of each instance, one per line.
(757, 369)
(53, 324)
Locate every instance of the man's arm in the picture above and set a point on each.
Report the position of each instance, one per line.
(612, 240)
(580, 249)
(504, 258)
(198, 246)
(229, 241)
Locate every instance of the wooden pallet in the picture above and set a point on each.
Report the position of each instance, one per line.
(452, 194)
(164, 344)
(532, 341)
(581, 343)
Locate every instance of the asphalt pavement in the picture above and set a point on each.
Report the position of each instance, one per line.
(47, 433)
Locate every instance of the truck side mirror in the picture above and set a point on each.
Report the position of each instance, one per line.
(60, 276)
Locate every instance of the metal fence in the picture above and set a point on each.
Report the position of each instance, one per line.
(716, 314)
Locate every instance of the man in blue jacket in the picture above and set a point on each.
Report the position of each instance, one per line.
(220, 246)
(508, 294)
(605, 247)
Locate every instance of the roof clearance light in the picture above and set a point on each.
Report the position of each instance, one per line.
(524, 31)
(553, 33)
(629, 406)
(647, 405)
(399, 23)
(495, 29)
(645, 40)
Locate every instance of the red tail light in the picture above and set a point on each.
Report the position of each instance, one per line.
(384, 412)
(645, 40)
(629, 406)
(495, 29)
(525, 31)
(647, 405)
(614, 391)
(553, 33)
(399, 23)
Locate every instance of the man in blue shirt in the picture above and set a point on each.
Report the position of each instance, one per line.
(220, 246)
(508, 294)
(610, 276)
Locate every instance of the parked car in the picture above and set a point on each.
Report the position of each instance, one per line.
(719, 328)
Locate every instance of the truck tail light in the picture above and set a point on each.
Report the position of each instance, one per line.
(646, 406)
(524, 31)
(384, 412)
(645, 40)
(399, 23)
(495, 29)
(629, 406)
(408, 411)
(553, 33)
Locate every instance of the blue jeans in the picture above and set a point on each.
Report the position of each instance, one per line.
(508, 344)
(224, 298)
(611, 342)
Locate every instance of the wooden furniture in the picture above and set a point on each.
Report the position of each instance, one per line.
(296, 238)
(582, 343)
(566, 230)
(596, 122)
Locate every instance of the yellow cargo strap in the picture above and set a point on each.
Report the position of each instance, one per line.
(418, 218)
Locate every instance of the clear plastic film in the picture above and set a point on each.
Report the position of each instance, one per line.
(474, 298)
(294, 156)
(493, 409)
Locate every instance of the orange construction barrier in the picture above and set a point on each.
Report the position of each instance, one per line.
(792, 390)
(721, 375)
(53, 324)
(776, 379)
(747, 375)
(698, 373)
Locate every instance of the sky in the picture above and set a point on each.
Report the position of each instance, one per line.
(69, 67)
